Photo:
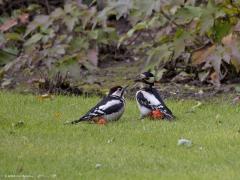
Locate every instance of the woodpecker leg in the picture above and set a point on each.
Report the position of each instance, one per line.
(156, 114)
(101, 121)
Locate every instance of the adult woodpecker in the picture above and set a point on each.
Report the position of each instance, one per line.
(149, 100)
(110, 108)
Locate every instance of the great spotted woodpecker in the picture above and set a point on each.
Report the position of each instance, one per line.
(110, 108)
(149, 100)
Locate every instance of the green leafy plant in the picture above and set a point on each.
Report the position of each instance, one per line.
(65, 40)
(197, 39)
(178, 32)
(69, 30)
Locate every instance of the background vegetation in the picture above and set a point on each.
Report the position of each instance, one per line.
(180, 40)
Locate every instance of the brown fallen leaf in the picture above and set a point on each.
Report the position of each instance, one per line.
(45, 96)
(23, 18)
(8, 24)
(57, 115)
(227, 40)
(231, 41)
(215, 79)
(200, 56)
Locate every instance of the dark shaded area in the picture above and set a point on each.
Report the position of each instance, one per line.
(8, 6)
(59, 85)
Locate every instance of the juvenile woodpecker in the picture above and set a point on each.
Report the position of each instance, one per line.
(149, 100)
(110, 108)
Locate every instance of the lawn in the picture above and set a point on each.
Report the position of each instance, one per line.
(35, 143)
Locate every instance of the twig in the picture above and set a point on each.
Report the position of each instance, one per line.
(92, 3)
(47, 6)
(201, 47)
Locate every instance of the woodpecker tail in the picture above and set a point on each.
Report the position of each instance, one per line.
(167, 113)
(76, 121)
(169, 116)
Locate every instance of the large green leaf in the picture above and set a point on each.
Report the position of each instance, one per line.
(7, 55)
(221, 29)
(70, 22)
(13, 36)
(42, 21)
(147, 7)
(34, 39)
(187, 13)
(158, 55)
(179, 43)
(79, 43)
(122, 7)
(206, 23)
(208, 16)
(57, 13)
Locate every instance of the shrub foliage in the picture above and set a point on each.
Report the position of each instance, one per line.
(179, 40)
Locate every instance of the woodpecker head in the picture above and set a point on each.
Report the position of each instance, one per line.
(146, 77)
(117, 91)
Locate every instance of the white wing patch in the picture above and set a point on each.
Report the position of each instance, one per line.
(101, 111)
(151, 98)
(108, 104)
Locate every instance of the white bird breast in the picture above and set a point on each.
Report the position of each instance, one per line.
(114, 116)
(151, 98)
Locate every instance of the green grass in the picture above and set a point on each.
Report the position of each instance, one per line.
(127, 149)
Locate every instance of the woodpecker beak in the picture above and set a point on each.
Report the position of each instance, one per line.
(124, 89)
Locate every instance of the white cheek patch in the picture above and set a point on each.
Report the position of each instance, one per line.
(117, 93)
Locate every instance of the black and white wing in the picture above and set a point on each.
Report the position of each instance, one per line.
(112, 106)
(157, 95)
(162, 106)
(142, 100)
(106, 106)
